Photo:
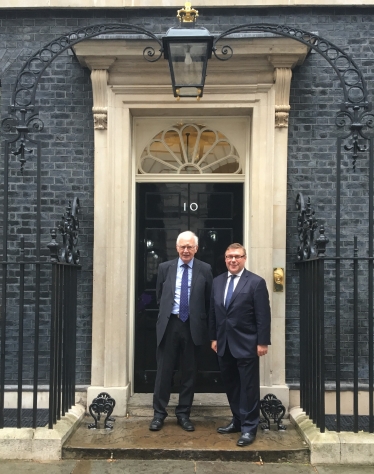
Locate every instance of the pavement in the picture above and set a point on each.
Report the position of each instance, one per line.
(172, 467)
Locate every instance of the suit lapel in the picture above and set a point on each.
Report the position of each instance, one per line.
(195, 273)
(222, 286)
(173, 275)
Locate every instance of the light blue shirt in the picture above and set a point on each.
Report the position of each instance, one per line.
(178, 284)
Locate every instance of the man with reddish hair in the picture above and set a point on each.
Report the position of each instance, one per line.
(239, 329)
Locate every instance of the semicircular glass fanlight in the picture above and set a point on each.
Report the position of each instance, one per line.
(189, 149)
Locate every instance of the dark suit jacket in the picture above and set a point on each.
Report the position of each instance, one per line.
(201, 285)
(246, 323)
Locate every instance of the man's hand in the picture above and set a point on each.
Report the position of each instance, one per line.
(262, 350)
(213, 345)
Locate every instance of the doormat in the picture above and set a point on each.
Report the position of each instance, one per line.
(346, 423)
(10, 418)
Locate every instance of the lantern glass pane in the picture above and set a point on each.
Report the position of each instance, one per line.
(188, 61)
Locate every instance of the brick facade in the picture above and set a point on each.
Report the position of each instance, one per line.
(65, 100)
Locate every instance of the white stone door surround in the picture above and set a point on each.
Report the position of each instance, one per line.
(255, 83)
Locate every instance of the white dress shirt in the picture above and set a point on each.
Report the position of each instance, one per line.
(236, 281)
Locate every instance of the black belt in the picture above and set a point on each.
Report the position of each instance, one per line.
(177, 316)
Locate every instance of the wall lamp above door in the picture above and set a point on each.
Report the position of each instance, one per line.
(188, 49)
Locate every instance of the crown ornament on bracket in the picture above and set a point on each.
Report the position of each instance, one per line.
(187, 14)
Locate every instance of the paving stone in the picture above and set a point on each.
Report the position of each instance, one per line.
(135, 467)
(252, 468)
(131, 466)
(339, 469)
(30, 467)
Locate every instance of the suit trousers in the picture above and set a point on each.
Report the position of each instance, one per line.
(241, 378)
(176, 345)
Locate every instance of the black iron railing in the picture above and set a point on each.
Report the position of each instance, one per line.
(38, 329)
(24, 338)
(336, 327)
(63, 340)
(336, 335)
(312, 373)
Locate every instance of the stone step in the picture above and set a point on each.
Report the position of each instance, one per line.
(205, 404)
(147, 412)
(130, 438)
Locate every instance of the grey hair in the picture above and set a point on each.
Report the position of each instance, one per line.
(187, 235)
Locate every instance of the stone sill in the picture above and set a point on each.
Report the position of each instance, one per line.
(332, 447)
(40, 444)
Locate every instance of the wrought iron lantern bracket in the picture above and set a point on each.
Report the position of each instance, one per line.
(355, 110)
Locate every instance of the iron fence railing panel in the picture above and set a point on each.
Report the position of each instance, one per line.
(20, 359)
(353, 331)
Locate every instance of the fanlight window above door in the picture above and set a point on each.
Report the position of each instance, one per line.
(189, 149)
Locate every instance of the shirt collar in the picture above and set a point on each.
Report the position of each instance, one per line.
(236, 274)
(181, 262)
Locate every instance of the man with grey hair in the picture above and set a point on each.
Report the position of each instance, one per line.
(183, 293)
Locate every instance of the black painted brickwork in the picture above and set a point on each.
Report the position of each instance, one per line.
(65, 98)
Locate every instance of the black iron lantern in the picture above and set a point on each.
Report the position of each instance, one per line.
(188, 49)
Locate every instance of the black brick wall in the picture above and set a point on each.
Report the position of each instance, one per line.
(65, 99)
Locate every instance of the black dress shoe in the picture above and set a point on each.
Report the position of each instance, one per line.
(156, 424)
(186, 424)
(246, 439)
(230, 428)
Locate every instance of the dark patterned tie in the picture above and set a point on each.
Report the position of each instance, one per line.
(230, 291)
(183, 304)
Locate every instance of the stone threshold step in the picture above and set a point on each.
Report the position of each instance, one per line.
(204, 404)
(200, 399)
(196, 411)
(131, 439)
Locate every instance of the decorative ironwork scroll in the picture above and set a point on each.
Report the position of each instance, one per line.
(307, 225)
(23, 115)
(24, 123)
(68, 228)
(272, 409)
(351, 78)
(355, 111)
(103, 404)
(29, 76)
(358, 124)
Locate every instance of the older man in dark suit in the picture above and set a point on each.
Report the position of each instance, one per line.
(239, 329)
(183, 291)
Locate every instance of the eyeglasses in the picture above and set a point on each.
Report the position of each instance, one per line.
(186, 247)
(234, 257)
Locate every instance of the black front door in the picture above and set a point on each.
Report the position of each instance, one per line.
(215, 213)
